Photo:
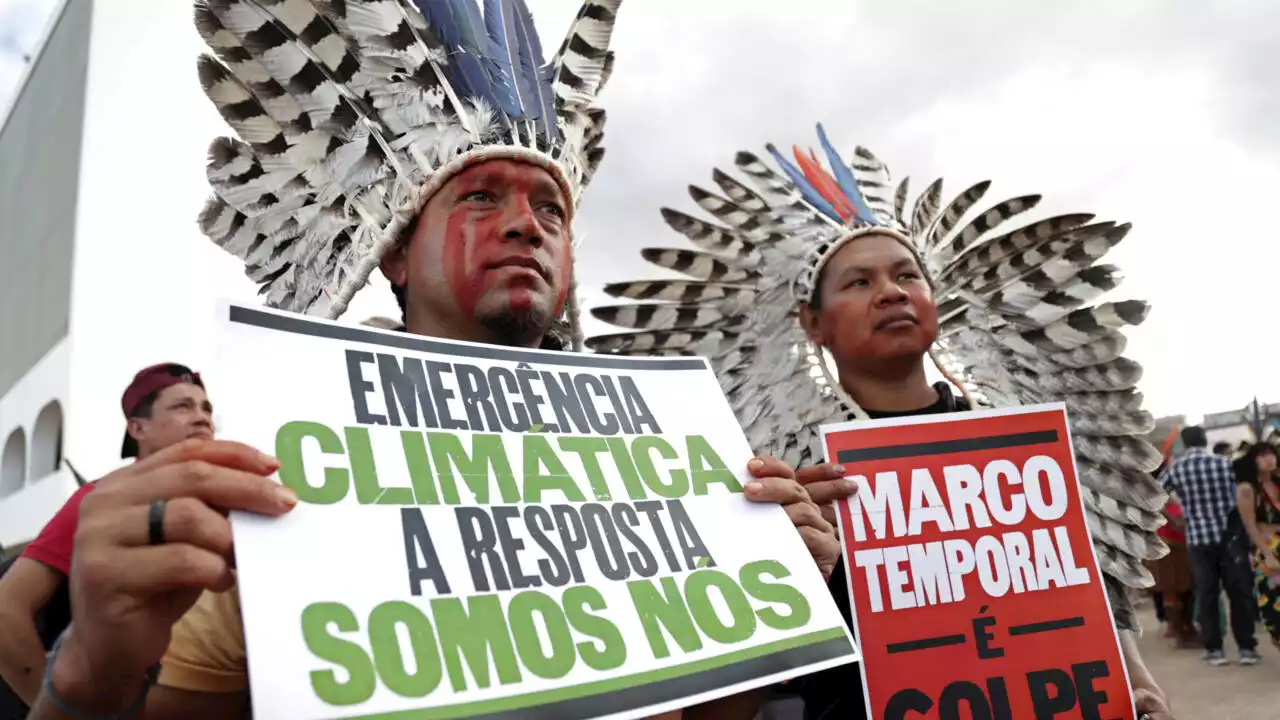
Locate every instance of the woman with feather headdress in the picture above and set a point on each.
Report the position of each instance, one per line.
(815, 269)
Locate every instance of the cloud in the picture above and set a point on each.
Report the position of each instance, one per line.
(1154, 112)
(21, 23)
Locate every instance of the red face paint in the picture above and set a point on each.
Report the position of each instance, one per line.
(504, 239)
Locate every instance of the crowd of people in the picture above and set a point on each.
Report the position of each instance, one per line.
(1223, 532)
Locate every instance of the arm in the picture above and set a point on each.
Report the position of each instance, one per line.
(1147, 695)
(128, 595)
(1246, 503)
(1169, 478)
(24, 589)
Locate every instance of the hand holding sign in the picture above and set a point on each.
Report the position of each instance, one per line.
(1151, 706)
(137, 570)
(777, 483)
(827, 485)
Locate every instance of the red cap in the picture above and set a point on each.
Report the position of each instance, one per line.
(146, 383)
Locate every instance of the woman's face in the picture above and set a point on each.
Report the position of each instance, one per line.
(876, 305)
(1266, 461)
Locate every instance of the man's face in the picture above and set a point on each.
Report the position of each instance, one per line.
(179, 412)
(490, 259)
(876, 305)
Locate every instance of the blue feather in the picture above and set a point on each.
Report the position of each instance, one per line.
(451, 21)
(844, 176)
(439, 15)
(807, 190)
(506, 56)
(479, 43)
(535, 82)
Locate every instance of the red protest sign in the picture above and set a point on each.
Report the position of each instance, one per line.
(974, 586)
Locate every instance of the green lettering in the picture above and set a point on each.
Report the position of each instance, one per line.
(707, 467)
(664, 611)
(362, 681)
(488, 459)
(588, 450)
(611, 652)
(389, 658)
(538, 454)
(626, 468)
(415, 455)
(528, 641)
(365, 473)
(642, 449)
(292, 473)
(472, 633)
(751, 578)
(697, 588)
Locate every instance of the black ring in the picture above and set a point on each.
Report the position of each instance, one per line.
(155, 522)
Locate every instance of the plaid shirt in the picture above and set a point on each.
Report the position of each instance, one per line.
(1206, 486)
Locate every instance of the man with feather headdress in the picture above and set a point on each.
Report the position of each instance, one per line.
(419, 136)
(815, 268)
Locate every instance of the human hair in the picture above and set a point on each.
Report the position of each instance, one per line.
(145, 407)
(1193, 436)
(401, 291)
(1222, 447)
(1246, 466)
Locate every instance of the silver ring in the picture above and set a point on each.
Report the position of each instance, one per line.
(155, 522)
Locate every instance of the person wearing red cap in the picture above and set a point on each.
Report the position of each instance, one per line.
(163, 405)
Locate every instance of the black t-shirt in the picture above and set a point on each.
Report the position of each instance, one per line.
(837, 693)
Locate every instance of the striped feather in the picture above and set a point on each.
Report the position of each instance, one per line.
(660, 316)
(708, 237)
(697, 265)
(680, 291)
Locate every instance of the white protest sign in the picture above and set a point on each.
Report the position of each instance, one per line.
(489, 532)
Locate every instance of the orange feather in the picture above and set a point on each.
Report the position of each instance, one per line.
(824, 183)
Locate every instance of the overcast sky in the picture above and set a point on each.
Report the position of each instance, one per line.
(1157, 112)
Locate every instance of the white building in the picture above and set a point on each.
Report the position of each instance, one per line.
(102, 268)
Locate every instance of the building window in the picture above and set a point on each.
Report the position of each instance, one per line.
(46, 441)
(13, 463)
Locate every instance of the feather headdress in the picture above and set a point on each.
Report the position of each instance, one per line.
(350, 114)
(1019, 322)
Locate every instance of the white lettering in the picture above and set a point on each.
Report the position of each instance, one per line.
(869, 561)
(926, 504)
(875, 500)
(991, 475)
(964, 492)
(1075, 575)
(897, 578)
(993, 573)
(1018, 553)
(929, 567)
(1032, 469)
(960, 562)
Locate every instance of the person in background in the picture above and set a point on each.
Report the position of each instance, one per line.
(1172, 574)
(163, 405)
(1206, 486)
(1222, 448)
(1258, 500)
